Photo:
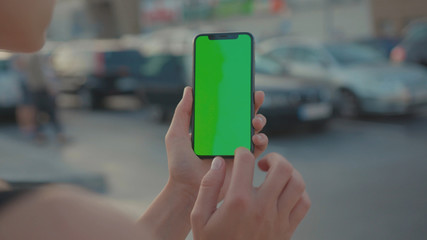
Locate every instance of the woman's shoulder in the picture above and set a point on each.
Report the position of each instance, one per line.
(9, 196)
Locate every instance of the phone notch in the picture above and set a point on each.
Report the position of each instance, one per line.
(223, 36)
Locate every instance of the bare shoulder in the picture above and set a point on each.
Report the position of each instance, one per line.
(64, 212)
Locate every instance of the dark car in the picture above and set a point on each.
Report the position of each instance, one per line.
(95, 71)
(291, 101)
(116, 73)
(413, 47)
(10, 86)
(164, 78)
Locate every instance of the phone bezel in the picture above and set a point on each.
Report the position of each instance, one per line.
(228, 36)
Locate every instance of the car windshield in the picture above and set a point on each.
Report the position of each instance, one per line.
(349, 54)
(264, 65)
(165, 68)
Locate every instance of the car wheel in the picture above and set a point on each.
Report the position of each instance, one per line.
(348, 105)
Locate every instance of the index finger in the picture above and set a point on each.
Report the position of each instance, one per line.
(242, 173)
(259, 99)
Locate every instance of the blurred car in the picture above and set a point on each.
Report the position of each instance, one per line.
(364, 80)
(95, 72)
(290, 101)
(75, 61)
(10, 85)
(164, 77)
(167, 69)
(383, 45)
(413, 47)
(116, 73)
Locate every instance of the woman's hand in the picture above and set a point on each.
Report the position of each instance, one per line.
(185, 168)
(168, 217)
(271, 211)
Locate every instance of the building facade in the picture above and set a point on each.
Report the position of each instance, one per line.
(322, 19)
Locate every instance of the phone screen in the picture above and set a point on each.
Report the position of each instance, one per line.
(223, 91)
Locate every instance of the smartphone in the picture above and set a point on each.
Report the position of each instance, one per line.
(223, 85)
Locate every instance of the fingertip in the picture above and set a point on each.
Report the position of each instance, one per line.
(260, 139)
(241, 151)
(259, 100)
(257, 139)
(188, 88)
(258, 122)
(187, 99)
(263, 165)
(264, 138)
(263, 119)
(187, 92)
(260, 95)
(217, 163)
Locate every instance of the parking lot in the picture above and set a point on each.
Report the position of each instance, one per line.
(366, 177)
(345, 97)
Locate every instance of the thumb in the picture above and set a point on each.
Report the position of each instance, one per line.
(207, 198)
(179, 128)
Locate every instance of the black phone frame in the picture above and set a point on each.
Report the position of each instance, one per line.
(224, 36)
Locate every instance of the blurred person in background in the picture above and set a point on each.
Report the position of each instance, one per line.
(25, 112)
(189, 199)
(3, 185)
(43, 86)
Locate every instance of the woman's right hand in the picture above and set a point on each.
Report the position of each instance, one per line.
(270, 211)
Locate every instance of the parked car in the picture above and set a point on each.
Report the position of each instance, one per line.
(291, 101)
(364, 80)
(413, 47)
(73, 63)
(167, 69)
(288, 101)
(116, 73)
(164, 77)
(383, 45)
(10, 85)
(96, 70)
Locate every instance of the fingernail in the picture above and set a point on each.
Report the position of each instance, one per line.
(216, 163)
(259, 118)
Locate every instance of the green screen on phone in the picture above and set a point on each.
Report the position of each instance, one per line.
(222, 95)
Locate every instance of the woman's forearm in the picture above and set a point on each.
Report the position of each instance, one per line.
(168, 217)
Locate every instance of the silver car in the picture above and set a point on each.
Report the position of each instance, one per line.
(291, 101)
(364, 80)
